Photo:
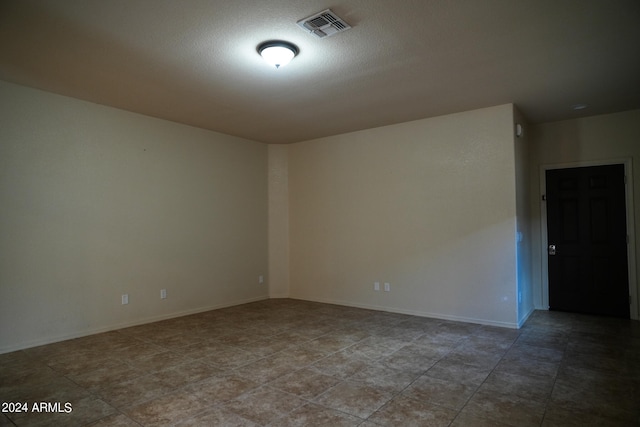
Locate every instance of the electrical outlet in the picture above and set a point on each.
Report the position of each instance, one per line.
(260, 280)
(163, 293)
(387, 286)
(376, 286)
(125, 299)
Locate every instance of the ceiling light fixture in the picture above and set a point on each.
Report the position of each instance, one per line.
(277, 53)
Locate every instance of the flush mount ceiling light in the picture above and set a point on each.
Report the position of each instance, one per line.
(277, 53)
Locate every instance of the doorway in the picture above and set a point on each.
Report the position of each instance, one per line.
(586, 219)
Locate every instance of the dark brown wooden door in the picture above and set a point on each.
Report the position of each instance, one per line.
(587, 237)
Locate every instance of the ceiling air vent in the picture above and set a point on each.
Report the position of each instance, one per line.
(324, 24)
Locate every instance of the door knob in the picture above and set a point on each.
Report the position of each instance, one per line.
(552, 249)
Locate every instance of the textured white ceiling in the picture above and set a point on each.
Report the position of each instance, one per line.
(195, 61)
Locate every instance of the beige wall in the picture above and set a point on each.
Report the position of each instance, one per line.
(523, 222)
(429, 206)
(597, 139)
(96, 202)
(278, 221)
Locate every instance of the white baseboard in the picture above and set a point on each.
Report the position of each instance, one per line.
(87, 332)
(487, 322)
(279, 296)
(50, 340)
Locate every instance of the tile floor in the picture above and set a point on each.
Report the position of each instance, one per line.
(295, 363)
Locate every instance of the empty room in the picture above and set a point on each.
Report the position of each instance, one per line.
(354, 213)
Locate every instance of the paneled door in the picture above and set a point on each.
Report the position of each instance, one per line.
(587, 238)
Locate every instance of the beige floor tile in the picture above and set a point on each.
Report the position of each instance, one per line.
(312, 415)
(553, 339)
(237, 338)
(342, 364)
(479, 359)
(228, 357)
(496, 332)
(40, 389)
(291, 336)
(597, 394)
(465, 419)
(508, 409)
(47, 352)
(133, 391)
(527, 387)
(329, 343)
(81, 361)
(445, 393)
(217, 417)
(375, 348)
(115, 420)
(201, 350)
(521, 350)
(219, 389)
(269, 359)
(264, 370)
(107, 374)
(188, 372)
(305, 383)
(403, 411)
(596, 362)
(438, 337)
(382, 377)
(299, 356)
(266, 346)
(528, 366)
(462, 373)
(167, 410)
(180, 341)
(414, 359)
(485, 344)
(27, 381)
(557, 416)
(354, 398)
(158, 362)
(264, 405)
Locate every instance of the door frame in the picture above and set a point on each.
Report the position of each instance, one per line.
(631, 245)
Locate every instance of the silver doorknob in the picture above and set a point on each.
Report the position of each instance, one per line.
(552, 249)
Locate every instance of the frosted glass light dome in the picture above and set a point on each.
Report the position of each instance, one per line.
(277, 53)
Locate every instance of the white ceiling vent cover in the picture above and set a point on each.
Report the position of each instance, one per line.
(324, 24)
